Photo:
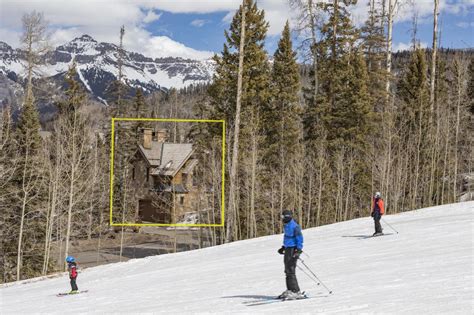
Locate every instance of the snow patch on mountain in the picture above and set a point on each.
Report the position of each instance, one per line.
(97, 64)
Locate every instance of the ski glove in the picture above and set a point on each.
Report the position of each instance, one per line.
(297, 253)
(281, 251)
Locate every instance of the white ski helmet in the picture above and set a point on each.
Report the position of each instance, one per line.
(378, 194)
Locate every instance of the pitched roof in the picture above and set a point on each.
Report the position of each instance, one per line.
(167, 158)
(153, 155)
(190, 166)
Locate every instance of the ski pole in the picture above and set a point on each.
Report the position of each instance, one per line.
(307, 274)
(306, 254)
(302, 261)
(389, 225)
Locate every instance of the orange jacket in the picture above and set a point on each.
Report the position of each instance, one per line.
(380, 204)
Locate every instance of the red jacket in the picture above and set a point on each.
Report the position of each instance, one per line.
(72, 270)
(379, 203)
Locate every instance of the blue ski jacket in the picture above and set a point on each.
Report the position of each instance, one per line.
(293, 236)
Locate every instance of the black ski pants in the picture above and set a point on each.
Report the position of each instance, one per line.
(73, 284)
(290, 269)
(377, 217)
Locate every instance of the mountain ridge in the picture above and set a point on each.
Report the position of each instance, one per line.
(97, 67)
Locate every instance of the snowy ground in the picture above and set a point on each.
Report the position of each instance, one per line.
(425, 269)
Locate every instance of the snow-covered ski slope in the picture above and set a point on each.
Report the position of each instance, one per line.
(425, 269)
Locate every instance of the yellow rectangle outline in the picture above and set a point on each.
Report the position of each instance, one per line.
(112, 143)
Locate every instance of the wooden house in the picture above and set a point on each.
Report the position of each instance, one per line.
(162, 175)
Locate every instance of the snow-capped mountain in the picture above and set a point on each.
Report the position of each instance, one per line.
(97, 67)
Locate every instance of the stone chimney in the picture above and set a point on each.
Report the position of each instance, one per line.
(162, 135)
(147, 138)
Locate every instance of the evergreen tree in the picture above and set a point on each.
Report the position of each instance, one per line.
(413, 122)
(28, 127)
(413, 92)
(28, 192)
(282, 120)
(341, 117)
(254, 98)
(374, 46)
(343, 106)
(139, 111)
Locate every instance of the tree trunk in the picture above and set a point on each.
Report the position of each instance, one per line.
(433, 56)
(390, 16)
(235, 149)
(71, 189)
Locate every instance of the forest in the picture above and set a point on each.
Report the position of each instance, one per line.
(316, 126)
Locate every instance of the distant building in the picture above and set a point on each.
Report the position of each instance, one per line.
(163, 178)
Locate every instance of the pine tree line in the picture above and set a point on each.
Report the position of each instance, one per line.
(322, 141)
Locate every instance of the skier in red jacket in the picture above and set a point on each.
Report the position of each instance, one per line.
(377, 208)
(72, 268)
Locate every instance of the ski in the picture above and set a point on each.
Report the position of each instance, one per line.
(382, 234)
(68, 293)
(373, 236)
(277, 300)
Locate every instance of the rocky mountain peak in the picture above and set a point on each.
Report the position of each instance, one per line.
(84, 38)
(97, 68)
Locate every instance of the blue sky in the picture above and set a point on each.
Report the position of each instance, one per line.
(457, 30)
(195, 28)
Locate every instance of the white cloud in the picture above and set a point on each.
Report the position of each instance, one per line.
(152, 16)
(408, 46)
(465, 24)
(102, 19)
(140, 40)
(161, 46)
(406, 8)
(9, 36)
(228, 17)
(199, 23)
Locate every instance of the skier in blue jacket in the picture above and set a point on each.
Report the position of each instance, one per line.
(292, 249)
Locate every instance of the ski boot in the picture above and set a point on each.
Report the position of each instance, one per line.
(73, 292)
(295, 295)
(284, 294)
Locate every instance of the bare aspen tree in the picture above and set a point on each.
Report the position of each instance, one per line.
(433, 55)
(35, 42)
(54, 175)
(392, 4)
(120, 73)
(28, 192)
(460, 75)
(307, 20)
(230, 234)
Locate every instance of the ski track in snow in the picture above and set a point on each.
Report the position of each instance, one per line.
(425, 269)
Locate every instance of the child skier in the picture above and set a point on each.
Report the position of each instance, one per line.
(292, 249)
(72, 268)
(378, 210)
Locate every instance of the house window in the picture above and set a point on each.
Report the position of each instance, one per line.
(147, 173)
(181, 200)
(133, 172)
